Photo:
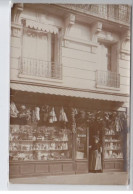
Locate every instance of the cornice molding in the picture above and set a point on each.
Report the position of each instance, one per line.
(93, 10)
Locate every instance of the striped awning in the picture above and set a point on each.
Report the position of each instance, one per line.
(68, 92)
(41, 26)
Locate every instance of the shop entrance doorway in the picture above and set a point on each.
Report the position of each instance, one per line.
(95, 148)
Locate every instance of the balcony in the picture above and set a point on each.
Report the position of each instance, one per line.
(39, 69)
(115, 13)
(107, 80)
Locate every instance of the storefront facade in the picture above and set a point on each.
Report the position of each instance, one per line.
(60, 100)
(52, 134)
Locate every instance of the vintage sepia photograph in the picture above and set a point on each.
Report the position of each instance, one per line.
(70, 94)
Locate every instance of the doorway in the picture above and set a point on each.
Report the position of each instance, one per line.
(95, 132)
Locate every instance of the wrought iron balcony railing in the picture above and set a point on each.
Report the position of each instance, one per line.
(40, 68)
(118, 13)
(107, 79)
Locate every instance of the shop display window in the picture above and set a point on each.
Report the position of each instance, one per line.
(33, 143)
(113, 144)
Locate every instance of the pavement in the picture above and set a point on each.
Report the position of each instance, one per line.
(109, 178)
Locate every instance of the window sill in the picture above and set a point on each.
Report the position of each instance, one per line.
(107, 88)
(39, 78)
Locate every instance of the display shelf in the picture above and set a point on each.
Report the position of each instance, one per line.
(36, 150)
(113, 151)
(113, 159)
(50, 144)
(111, 134)
(115, 141)
(38, 141)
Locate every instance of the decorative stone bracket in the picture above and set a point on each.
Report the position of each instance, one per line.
(69, 21)
(125, 45)
(16, 12)
(95, 29)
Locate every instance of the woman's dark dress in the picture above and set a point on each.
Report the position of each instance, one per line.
(95, 158)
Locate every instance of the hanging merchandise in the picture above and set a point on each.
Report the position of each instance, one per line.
(63, 116)
(28, 118)
(75, 111)
(13, 110)
(45, 110)
(28, 113)
(118, 123)
(82, 114)
(37, 113)
(23, 112)
(73, 121)
(81, 119)
(122, 120)
(33, 116)
(52, 116)
(117, 126)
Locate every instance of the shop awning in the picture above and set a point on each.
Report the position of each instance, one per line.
(41, 26)
(67, 92)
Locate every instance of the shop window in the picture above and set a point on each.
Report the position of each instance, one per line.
(40, 54)
(81, 143)
(39, 133)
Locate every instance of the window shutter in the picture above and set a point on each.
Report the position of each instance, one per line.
(114, 57)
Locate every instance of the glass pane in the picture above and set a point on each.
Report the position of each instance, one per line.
(113, 147)
(81, 143)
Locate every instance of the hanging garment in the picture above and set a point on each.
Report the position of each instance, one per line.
(28, 113)
(118, 125)
(37, 113)
(63, 116)
(13, 110)
(28, 118)
(75, 111)
(52, 116)
(23, 112)
(73, 115)
(33, 116)
(57, 112)
(45, 110)
(73, 120)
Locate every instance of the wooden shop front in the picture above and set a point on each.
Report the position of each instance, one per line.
(51, 135)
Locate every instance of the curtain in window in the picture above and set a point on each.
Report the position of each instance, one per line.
(104, 57)
(35, 53)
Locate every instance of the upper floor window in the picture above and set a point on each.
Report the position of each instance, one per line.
(107, 57)
(40, 51)
(107, 73)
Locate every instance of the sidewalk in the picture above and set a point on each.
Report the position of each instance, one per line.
(110, 178)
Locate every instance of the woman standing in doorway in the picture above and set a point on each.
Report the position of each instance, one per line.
(95, 156)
